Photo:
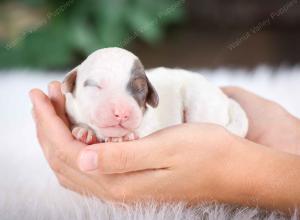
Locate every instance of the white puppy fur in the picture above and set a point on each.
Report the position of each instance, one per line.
(188, 97)
(109, 95)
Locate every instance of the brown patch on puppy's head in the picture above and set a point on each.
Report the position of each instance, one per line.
(140, 87)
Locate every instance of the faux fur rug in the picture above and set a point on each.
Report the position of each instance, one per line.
(30, 191)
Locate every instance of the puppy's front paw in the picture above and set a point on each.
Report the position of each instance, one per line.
(113, 139)
(130, 137)
(84, 135)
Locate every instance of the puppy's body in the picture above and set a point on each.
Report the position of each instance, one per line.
(111, 97)
(186, 96)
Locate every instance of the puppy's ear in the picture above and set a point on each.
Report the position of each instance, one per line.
(68, 84)
(152, 97)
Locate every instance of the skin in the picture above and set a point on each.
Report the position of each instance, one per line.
(264, 114)
(189, 162)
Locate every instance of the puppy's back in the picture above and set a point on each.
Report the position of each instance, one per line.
(187, 96)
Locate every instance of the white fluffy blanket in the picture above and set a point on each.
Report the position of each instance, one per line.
(30, 191)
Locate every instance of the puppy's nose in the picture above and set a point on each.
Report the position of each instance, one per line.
(121, 114)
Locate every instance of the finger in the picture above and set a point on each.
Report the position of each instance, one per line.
(80, 182)
(242, 96)
(68, 184)
(255, 106)
(47, 121)
(144, 154)
(58, 100)
(250, 102)
(139, 186)
(127, 187)
(237, 93)
(54, 136)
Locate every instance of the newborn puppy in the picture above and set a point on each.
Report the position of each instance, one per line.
(109, 97)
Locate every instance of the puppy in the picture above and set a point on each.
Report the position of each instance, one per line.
(110, 97)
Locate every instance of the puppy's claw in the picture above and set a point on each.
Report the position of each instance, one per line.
(84, 135)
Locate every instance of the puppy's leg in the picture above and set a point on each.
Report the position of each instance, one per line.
(84, 135)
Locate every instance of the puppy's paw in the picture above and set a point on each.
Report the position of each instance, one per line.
(84, 135)
(113, 139)
(130, 137)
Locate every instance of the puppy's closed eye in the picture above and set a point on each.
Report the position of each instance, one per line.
(91, 83)
(140, 85)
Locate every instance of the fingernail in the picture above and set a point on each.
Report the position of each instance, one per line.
(88, 160)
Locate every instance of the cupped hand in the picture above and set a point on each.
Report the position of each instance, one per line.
(176, 163)
(269, 123)
(189, 162)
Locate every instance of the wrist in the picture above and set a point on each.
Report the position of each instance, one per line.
(276, 185)
(255, 175)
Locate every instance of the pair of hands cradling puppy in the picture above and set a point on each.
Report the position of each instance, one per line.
(192, 162)
(110, 98)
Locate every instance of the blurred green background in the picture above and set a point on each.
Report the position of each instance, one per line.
(57, 34)
(54, 34)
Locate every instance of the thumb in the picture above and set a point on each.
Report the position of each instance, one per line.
(148, 153)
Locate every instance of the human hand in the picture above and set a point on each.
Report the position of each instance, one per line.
(190, 162)
(269, 123)
(177, 163)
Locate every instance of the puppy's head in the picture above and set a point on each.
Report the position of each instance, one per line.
(111, 91)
